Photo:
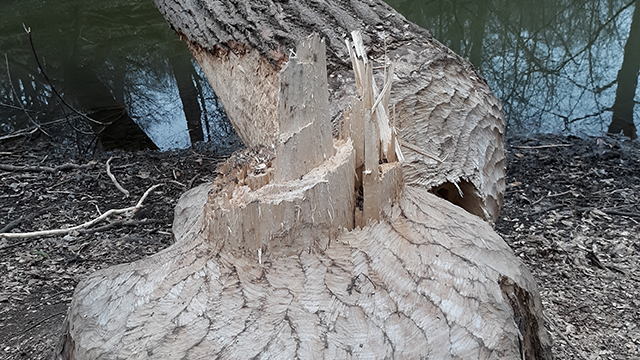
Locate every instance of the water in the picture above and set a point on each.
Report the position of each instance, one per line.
(115, 60)
(554, 65)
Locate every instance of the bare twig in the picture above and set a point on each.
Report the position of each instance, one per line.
(609, 212)
(415, 148)
(40, 321)
(29, 130)
(542, 211)
(120, 223)
(53, 170)
(15, 94)
(16, 134)
(12, 225)
(16, 107)
(115, 181)
(543, 146)
(551, 196)
(53, 88)
(190, 183)
(132, 209)
(564, 337)
(621, 213)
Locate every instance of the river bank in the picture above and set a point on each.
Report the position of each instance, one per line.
(572, 214)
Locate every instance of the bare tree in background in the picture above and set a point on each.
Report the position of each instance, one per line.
(622, 119)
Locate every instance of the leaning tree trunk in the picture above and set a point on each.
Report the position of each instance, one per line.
(443, 107)
(288, 254)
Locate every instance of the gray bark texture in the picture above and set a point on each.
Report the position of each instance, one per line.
(280, 258)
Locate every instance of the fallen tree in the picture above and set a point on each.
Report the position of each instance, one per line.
(288, 254)
(443, 107)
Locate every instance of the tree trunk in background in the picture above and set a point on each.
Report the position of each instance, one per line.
(93, 97)
(622, 119)
(478, 28)
(184, 72)
(279, 258)
(442, 106)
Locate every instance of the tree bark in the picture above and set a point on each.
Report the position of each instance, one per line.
(184, 72)
(622, 119)
(441, 104)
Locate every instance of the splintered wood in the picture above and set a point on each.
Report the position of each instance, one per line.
(378, 155)
(312, 195)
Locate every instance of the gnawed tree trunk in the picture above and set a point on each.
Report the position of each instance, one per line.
(443, 107)
(279, 258)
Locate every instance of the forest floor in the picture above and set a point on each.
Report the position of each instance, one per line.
(572, 214)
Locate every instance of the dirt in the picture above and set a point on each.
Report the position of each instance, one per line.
(572, 214)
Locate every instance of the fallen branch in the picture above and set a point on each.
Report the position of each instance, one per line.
(609, 212)
(564, 337)
(543, 146)
(29, 130)
(120, 223)
(53, 88)
(19, 133)
(41, 321)
(542, 211)
(52, 170)
(621, 213)
(132, 209)
(115, 181)
(26, 218)
(15, 107)
(17, 97)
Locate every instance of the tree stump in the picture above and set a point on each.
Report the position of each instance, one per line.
(318, 245)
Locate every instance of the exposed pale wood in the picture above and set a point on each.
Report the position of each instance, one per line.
(286, 217)
(443, 106)
(278, 271)
(380, 169)
(304, 140)
(251, 84)
(424, 281)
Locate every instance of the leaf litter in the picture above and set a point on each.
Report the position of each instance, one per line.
(571, 213)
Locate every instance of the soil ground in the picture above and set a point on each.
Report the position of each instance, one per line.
(572, 214)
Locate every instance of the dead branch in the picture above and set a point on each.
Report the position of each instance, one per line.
(542, 211)
(29, 130)
(41, 321)
(52, 170)
(15, 94)
(543, 146)
(120, 223)
(15, 223)
(53, 88)
(115, 181)
(15, 107)
(132, 209)
(16, 134)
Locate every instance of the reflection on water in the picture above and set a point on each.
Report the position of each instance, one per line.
(554, 64)
(117, 61)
